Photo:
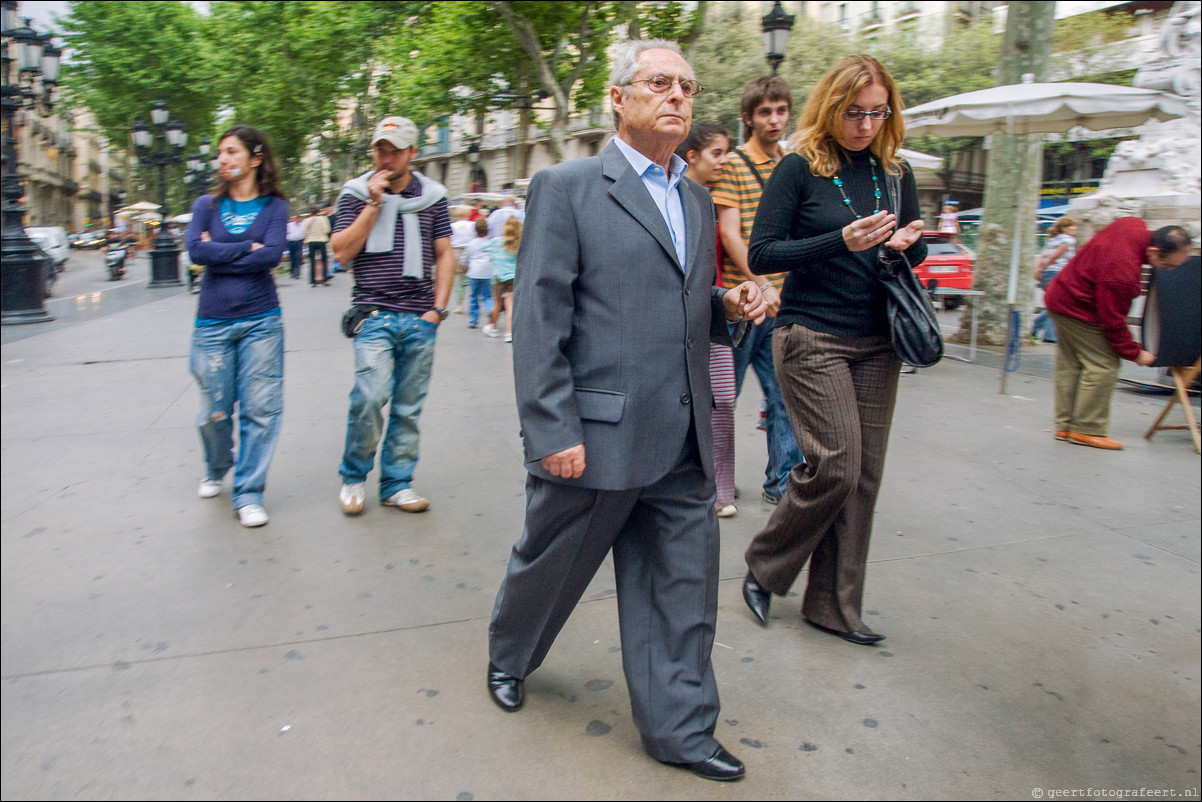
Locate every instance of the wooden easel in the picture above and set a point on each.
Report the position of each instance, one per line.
(1182, 378)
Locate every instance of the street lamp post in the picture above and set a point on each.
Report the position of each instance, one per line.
(776, 25)
(200, 169)
(161, 144)
(473, 158)
(36, 61)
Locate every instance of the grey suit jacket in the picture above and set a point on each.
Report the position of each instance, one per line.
(611, 337)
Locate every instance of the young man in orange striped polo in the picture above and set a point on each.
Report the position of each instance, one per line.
(766, 106)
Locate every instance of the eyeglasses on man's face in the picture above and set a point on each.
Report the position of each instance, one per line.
(855, 116)
(662, 85)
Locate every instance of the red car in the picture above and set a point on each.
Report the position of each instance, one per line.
(948, 265)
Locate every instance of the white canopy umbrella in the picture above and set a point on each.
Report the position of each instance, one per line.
(1041, 108)
(141, 206)
(920, 161)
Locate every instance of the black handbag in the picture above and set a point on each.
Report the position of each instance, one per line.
(913, 326)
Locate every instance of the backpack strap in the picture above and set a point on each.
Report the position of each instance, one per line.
(751, 166)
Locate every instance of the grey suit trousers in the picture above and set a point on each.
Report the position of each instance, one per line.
(665, 545)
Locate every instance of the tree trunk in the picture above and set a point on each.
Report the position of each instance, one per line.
(1013, 175)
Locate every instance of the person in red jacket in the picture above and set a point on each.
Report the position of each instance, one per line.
(1090, 299)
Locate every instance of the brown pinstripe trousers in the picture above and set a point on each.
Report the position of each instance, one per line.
(839, 393)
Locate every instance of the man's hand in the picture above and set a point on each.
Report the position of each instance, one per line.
(745, 302)
(1145, 359)
(567, 464)
(376, 185)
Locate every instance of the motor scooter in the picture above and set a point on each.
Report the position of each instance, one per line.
(114, 260)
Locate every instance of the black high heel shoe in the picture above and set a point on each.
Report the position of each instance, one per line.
(758, 600)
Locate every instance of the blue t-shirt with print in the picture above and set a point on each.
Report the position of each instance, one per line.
(237, 216)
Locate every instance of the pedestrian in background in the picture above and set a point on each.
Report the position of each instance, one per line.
(504, 252)
(949, 220)
(507, 209)
(766, 105)
(478, 261)
(239, 233)
(705, 152)
(392, 224)
(296, 245)
(317, 234)
(840, 195)
(463, 231)
(1055, 254)
(1089, 302)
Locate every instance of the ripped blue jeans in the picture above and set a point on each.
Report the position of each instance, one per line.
(240, 363)
(394, 359)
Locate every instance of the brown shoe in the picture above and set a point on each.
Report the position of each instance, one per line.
(1062, 435)
(1094, 440)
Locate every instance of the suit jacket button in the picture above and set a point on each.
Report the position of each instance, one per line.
(687, 291)
(689, 343)
(685, 399)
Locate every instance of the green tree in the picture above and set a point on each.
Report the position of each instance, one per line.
(435, 69)
(1012, 179)
(125, 55)
(285, 66)
(567, 43)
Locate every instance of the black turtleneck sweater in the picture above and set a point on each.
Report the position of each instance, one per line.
(798, 228)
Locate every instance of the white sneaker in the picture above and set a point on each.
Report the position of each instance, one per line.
(209, 488)
(407, 500)
(252, 515)
(509, 336)
(490, 330)
(729, 511)
(352, 497)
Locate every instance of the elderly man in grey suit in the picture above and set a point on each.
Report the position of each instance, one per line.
(615, 309)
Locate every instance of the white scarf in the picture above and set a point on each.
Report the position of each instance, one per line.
(383, 233)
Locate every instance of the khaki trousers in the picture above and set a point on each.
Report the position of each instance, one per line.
(839, 393)
(1086, 370)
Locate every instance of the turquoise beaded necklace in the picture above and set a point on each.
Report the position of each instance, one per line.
(876, 190)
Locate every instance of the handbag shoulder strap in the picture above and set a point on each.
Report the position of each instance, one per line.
(893, 187)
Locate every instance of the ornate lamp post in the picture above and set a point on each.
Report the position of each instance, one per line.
(161, 145)
(776, 25)
(200, 169)
(474, 172)
(35, 61)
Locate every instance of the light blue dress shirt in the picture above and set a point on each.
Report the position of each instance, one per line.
(664, 189)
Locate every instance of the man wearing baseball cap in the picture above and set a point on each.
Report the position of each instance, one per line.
(392, 231)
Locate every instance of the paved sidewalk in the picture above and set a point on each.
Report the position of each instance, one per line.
(1041, 600)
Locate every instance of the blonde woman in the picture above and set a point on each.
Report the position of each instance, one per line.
(840, 195)
(504, 252)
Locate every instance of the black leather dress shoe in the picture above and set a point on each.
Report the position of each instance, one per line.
(862, 636)
(758, 600)
(721, 766)
(506, 690)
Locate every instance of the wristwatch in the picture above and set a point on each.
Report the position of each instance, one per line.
(442, 313)
(376, 203)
